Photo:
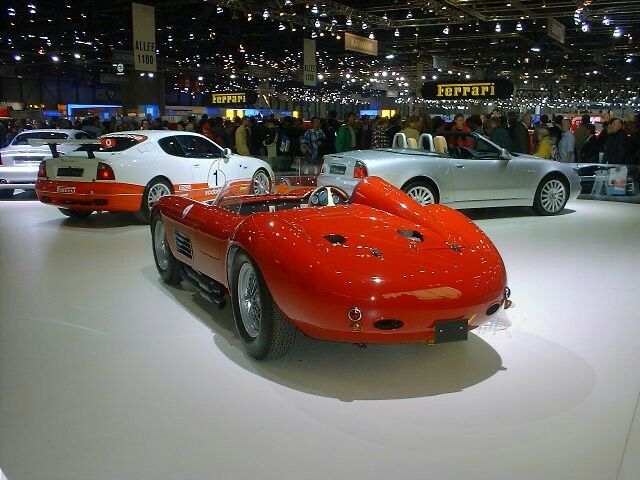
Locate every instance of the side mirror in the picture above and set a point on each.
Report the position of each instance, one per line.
(504, 154)
(226, 153)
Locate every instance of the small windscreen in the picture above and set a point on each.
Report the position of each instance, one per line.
(115, 143)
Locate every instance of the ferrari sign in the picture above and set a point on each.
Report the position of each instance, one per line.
(229, 99)
(498, 88)
(144, 38)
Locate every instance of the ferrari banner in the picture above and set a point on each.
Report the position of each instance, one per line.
(309, 74)
(144, 37)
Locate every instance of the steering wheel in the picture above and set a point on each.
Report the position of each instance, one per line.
(327, 197)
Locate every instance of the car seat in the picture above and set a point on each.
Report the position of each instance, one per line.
(411, 143)
(440, 145)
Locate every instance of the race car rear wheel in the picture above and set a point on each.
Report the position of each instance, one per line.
(551, 196)
(71, 213)
(261, 182)
(155, 189)
(168, 266)
(422, 192)
(263, 329)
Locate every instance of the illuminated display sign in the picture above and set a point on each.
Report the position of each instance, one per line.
(498, 88)
(226, 99)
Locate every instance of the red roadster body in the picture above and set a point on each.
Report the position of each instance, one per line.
(375, 267)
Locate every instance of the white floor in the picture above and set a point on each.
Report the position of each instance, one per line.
(105, 373)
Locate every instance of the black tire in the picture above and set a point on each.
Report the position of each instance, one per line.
(71, 213)
(544, 203)
(8, 193)
(171, 272)
(420, 185)
(145, 208)
(275, 335)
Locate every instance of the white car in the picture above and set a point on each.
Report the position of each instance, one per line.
(130, 171)
(19, 161)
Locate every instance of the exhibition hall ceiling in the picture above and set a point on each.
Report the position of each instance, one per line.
(232, 41)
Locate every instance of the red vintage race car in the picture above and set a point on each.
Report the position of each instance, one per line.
(375, 267)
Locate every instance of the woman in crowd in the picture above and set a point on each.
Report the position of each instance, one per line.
(545, 145)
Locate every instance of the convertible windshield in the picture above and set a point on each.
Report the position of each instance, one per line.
(238, 197)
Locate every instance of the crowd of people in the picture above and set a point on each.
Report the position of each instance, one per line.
(282, 140)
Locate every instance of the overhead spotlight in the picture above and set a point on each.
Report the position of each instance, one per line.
(150, 74)
(320, 76)
(629, 60)
(384, 17)
(519, 26)
(200, 79)
(287, 2)
(348, 23)
(606, 21)
(372, 36)
(498, 28)
(219, 10)
(585, 27)
(142, 74)
(467, 76)
(364, 25)
(314, 9)
(334, 21)
(17, 57)
(535, 49)
(396, 33)
(617, 32)
(409, 15)
(435, 77)
(314, 34)
(249, 17)
(265, 14)
(281, 27)
(390, 56)
(55, 58)
(77, 56)
(446, 30)
(317, 24)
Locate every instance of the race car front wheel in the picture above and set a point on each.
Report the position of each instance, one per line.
(71, 213)
(261, 182)
(155, 189)
(263, 329)
(168, 266)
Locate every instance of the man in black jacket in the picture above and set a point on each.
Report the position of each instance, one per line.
(590, 151)
(617, 149)
(521, 134)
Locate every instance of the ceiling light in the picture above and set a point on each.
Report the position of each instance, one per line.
(314, 34)
(150, 74)
(435, 77)
(317, 24)
(265, 14)
(200, 79)
(385, 18)
(535, 49)
(617, 32)
(364, 26)
(334, 21)
(446, 30)
(606, 20)
(320, 76)
(287, 2)
(519, 27)
(314, 9)
(467, 76)
(409, 15)
(390, 56)
(397, 33)
(348, 23)
(219, 9)
(281, 27)
(76, 56)
(55, 58)
(498, 28)
(371, 36)
(629, 60)
(585, 27)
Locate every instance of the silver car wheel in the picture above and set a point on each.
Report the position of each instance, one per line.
(156, 192)
(421, 194)
(160, 246)
(553, 196)
(261, 183)
(249, 300)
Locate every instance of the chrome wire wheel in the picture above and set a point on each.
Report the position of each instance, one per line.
(160, 246)
(249, 299)
(553, 196)
(261, 183)
(156, 192)
(421, 194)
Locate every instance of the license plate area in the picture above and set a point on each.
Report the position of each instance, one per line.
(337, 169)
(70, 172)
(451, 331)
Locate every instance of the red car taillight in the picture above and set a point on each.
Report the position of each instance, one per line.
(42, 170)
(360, 170)
(105, 172)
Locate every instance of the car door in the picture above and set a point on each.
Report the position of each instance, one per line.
(479, 172)
(208, 165)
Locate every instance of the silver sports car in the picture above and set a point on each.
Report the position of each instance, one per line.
(462, 170)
